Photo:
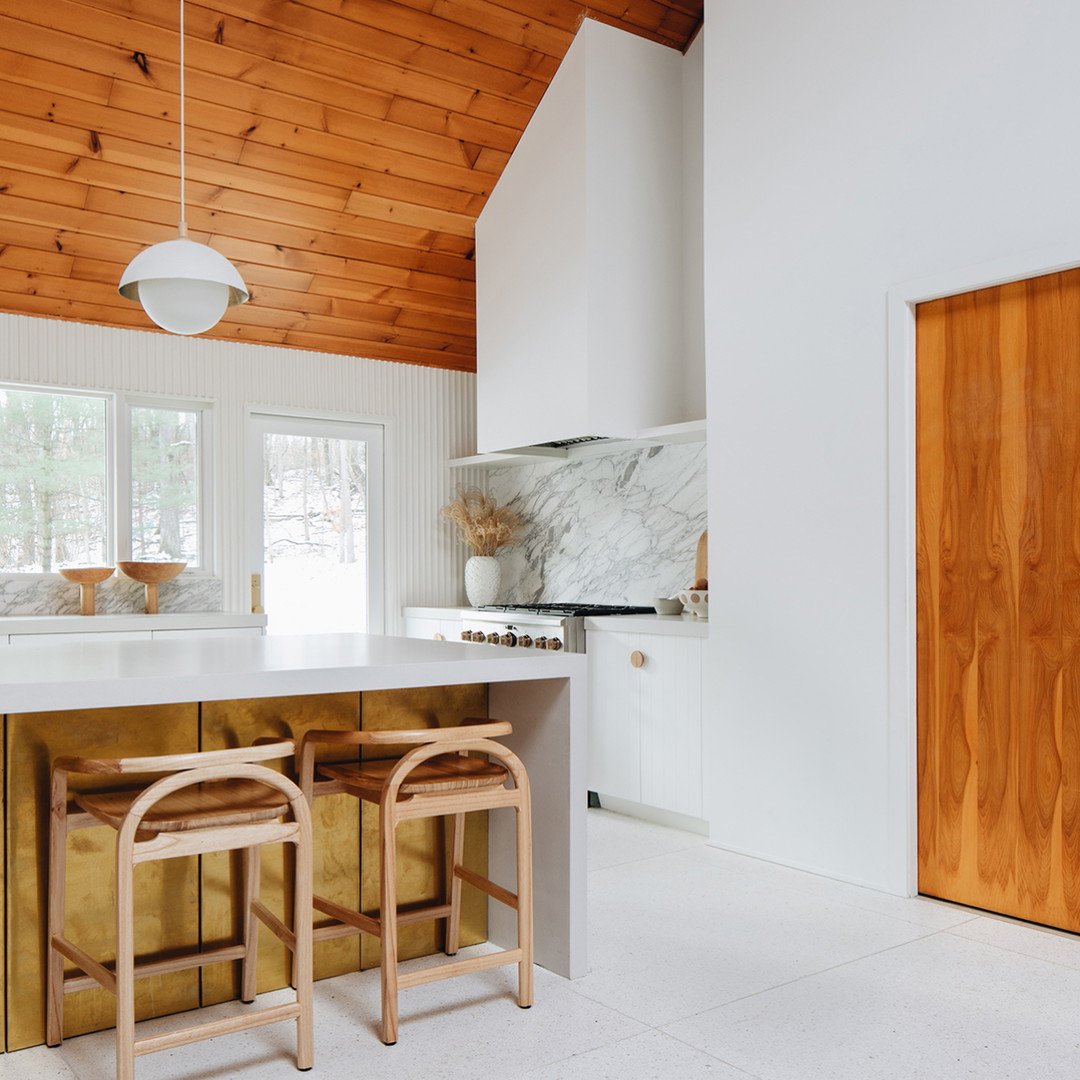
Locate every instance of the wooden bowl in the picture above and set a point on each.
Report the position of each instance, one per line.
(86, 575)
(151, 573)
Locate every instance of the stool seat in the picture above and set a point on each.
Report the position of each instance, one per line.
(227, 802)
(447, 772)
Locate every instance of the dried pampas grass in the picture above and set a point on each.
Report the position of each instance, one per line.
(484, 525)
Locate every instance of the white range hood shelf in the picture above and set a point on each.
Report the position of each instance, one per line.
(687, 432)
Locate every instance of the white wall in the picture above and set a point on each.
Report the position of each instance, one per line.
(850, 145)
(428, 413)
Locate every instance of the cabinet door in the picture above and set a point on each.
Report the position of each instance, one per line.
(669, 689)
(75, 637)
(207, 632)
(432, 629)
(614, 717)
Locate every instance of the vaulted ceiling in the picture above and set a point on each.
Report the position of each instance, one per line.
(338, 153)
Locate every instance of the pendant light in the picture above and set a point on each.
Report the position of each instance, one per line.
(182, 285)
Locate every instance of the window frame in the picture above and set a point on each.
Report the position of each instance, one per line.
(118, 448)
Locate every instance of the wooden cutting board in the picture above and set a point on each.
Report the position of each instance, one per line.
(701, 563)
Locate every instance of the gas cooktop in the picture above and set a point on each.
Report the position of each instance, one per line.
(570, 610)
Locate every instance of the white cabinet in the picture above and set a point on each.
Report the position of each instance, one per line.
(42, 630)
(53, 639)
(432, 624)
(645, 719)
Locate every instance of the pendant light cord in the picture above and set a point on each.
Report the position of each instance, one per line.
(183, 223)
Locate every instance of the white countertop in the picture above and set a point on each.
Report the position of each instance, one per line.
(82, 624)
(98, 673)
(681, 625)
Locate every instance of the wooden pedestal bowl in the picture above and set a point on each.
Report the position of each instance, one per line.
(151, 574)
(86, 577)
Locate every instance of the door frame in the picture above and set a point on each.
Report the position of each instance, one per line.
(332, 426)
(903, 838)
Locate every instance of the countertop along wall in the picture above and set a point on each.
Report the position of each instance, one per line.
(619, 527)
(428, 413)
(851, 146)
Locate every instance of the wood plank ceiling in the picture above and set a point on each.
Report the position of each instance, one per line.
(338, 153)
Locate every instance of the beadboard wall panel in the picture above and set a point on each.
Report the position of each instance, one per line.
(428, 416)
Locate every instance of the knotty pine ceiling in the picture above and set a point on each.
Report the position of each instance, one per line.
(338, 153)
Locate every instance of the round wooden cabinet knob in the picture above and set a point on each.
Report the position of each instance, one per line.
(637, 659)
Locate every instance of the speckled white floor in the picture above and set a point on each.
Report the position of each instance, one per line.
(703, 964)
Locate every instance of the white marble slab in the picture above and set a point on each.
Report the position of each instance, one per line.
(50, 594)
(620, 528)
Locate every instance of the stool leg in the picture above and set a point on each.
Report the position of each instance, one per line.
(302, 959)
(388, 944)
(125, 966)
(54, 1000)
(251, 871)
(525, 903)
(457, 855)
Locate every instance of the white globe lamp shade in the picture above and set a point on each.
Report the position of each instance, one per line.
(182, 285)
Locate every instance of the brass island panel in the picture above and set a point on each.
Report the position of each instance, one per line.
(336, 828)
(421, 860)
(167, 905)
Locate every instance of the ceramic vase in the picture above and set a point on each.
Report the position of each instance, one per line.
(482, 573)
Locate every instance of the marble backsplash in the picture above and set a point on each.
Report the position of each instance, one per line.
(46, 595)
(621, 528)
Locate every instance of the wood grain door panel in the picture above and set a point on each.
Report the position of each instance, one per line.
(998, 570)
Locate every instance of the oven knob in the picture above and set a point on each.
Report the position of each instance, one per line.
(540, 642)
(525, 641)
(466, 635)
(554, 643)
(508, 639)
(493, 638)
(478, 635)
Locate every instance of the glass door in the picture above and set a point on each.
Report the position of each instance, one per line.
(316, 533)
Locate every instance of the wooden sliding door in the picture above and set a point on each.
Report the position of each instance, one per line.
(998, 555)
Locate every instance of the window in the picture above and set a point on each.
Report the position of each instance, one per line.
(164, 484)
(89, 478)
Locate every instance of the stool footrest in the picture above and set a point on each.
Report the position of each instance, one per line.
(486, 885)
(273, 1014)
(356, 922)
(100, 975)
(458, 967)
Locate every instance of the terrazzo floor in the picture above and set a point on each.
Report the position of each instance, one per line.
(702, 964)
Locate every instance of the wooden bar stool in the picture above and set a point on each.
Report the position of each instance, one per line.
(434, 779)
(213, 801)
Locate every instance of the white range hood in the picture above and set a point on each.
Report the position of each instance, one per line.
(583, 277)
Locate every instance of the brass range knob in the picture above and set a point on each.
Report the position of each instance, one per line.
(525, 641)
(554, 644)
(541, 642)
(478, 635)
(508, 639)
(466, 635)
(493, 638)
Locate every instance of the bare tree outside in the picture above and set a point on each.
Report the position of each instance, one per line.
(53, 489)
(315, 521)
(164, 485)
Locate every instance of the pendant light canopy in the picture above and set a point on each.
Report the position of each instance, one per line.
(182, 285)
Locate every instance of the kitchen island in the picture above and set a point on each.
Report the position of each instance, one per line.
(113, 698)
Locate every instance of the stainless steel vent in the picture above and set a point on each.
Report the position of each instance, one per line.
(561, 444)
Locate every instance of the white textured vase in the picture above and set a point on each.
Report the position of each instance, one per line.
(482, 573)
